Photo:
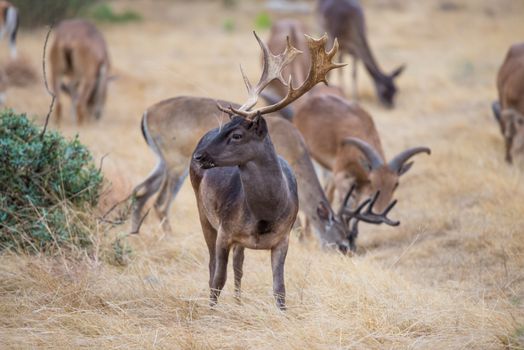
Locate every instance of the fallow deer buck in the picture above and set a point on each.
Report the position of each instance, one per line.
(246, 194)
(342, 138)
(80, 65)
(344, 20)
(172, 129)
(509, 109)
(9, 25)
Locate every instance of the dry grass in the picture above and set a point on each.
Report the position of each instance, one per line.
(20, 72)
(451, 276)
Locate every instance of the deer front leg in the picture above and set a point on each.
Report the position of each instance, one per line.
(278, 258)
(238, 262)
(220, 273)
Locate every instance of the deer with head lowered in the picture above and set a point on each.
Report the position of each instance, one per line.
(344, 19)
(509, 109)
(79, 64)
(342, 138)
(246, 194)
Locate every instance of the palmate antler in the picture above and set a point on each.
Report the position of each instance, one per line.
(272, 70)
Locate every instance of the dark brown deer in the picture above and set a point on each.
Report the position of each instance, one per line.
(80, 67)
(344, 20)
(246, 194)
(9, 25)
(172, 129)
(509, 109)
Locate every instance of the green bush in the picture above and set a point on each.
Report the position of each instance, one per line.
(47, 187)
(105, 13)
(34, 13)
(263, 21)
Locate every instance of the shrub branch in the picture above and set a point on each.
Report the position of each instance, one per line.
(53, 96)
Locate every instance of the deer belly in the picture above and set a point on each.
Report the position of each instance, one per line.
(259, 241)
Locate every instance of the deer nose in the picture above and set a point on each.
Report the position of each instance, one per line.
(198, 156)
(343, 248)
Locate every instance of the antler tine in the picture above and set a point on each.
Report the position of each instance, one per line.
(369, 216)
(346, 199)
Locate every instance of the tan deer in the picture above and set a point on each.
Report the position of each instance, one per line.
(79, 63)
(9, 25)
(344, 20)
(509, 109)
(342, 138)
(246, 194)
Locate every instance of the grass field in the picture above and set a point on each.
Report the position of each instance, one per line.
(450, 277)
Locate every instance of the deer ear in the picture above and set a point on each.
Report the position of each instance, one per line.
(260, 126)
(398, 71)
(323, 212)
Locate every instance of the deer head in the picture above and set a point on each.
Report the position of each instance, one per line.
(386, 88)
(383, 177)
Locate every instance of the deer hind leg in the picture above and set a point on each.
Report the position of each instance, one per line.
(238, 263)
(220, 272)
(168, 191)
(56, 64)
(278, 258)
(144, 191)
(81, 104)
(354, 76)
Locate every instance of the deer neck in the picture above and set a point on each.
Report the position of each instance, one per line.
(264, 185)
(369, 62)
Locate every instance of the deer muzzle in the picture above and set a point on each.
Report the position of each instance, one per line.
(203, 160)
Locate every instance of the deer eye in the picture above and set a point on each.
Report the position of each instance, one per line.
(520, 121)
(236, 137)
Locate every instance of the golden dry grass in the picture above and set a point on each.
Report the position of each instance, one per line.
(451, 276)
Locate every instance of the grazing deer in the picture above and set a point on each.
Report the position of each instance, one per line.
(344, 19)
(509, 109)
(79, 54)
(9, 25)
(342, 138)
(246, 194)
